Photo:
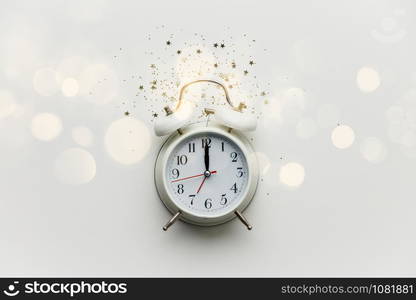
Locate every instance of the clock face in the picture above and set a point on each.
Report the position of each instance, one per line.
(207, 192)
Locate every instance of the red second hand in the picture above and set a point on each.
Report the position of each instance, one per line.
(202, 183)
(213, 172)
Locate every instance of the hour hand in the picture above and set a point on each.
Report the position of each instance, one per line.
(206, 157)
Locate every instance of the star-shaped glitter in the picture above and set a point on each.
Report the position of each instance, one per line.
(216, 45)
(168, 43)
(251, 62)
(141, 87)
(154, 82)
(245, 72)
(215, 65)
(198, 51)
(126, 113)
(233, 65)
(155, 115)
(153, 87)
(222, 45)
(153, 66)
(179, 52)
(263, 93)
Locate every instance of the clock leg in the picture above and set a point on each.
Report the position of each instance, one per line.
(243, 220)
(171, 221)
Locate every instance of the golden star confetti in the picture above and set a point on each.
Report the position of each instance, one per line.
(196, 57)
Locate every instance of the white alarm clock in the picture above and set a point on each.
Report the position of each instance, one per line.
(206, 173)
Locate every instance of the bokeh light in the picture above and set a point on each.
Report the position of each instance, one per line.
(46, 126)
(292, 174)
(293, 104)
(127, 140)
(71, 67)
(401, 118)
(373, 150)
(7, 103)
(75, 166)
(390, 30)
(83, 136)
(45, 82)
(70, 87)
(368, 79)
(342, 136)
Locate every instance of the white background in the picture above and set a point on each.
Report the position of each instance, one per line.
(351, 215)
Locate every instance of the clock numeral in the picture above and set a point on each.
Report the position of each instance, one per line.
(240, 172)
(222, 146)
(191, 147)
(233, 156)
(182, 159)
(192, 199)
(206, 141)
(234, 188)
(180, 189)
(208, 203)
(223, 200)
(175, 173)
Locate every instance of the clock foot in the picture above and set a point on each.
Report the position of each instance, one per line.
(171, 221)
(243, 220)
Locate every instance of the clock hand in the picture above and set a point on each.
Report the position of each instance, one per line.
(202, 183)
(207, 174)
(206, 157)
(212, 172)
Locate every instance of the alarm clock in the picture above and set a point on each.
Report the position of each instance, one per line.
(206, 173)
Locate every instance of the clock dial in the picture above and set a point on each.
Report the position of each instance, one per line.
(207, 174)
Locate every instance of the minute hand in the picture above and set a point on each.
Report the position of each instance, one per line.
(206, 157)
